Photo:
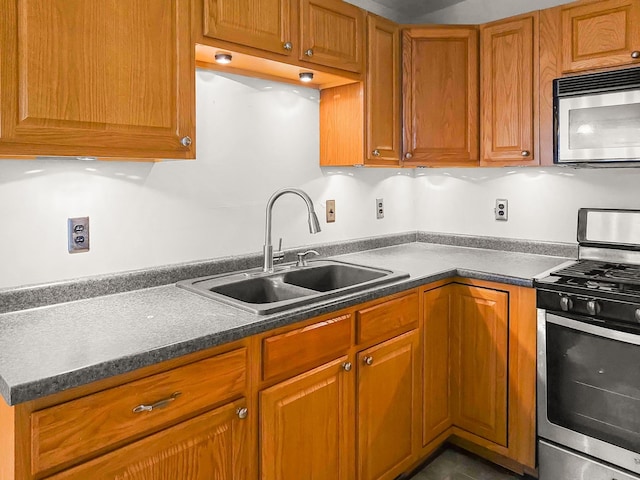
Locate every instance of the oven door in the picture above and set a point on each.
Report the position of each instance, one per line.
(589, 389)
(598, 128)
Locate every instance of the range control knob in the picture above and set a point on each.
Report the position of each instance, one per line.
(566, 304)
(593, 307)
(637, 315)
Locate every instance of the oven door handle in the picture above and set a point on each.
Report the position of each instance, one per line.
(593, 329)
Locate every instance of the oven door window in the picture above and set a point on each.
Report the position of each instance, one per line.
(593, 386)
(599, 127)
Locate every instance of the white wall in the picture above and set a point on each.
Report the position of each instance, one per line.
(543, 202)
(253, 137)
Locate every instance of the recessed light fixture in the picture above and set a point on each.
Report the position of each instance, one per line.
(223, 58)
(306, 76)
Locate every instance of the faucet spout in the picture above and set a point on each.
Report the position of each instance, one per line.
(314, 224)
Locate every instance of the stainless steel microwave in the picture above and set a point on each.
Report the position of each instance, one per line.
(597, 118)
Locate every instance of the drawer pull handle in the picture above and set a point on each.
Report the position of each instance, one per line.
(159, 404)
(368, 360)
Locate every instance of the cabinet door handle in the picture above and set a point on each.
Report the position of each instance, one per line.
(376, 153)
(242, 412)
(186, 141)
(309, 52)
(159, 404)
(525, 153)
(346, 366)
(288, 46)
(368, 360)
(635, 54)
(408, 155)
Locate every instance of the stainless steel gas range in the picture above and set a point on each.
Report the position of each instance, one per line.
(589, 354)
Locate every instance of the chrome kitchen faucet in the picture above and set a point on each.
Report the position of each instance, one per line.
(314, 224)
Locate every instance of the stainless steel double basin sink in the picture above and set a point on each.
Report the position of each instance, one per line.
(289, 286)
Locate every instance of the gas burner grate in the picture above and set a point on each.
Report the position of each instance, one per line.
(604, 271)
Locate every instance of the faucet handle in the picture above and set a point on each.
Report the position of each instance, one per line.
(302, 261)
(279, 255)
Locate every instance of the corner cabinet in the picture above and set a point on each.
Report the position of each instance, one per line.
(101, 79)
(599, 34)
(361, 122)
(509, 79)
(480, 370)
(440, 92)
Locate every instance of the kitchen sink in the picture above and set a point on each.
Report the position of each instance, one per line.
(289, 286)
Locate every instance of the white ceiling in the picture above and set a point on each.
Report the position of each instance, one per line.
(452, 11)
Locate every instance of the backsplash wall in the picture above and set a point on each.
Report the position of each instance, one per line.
(254, 137)
(543, 202)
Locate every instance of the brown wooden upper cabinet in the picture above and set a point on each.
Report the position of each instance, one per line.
(509, 72)
(440, 93)
(600, 34)
(103, 79)
(264, 24)
(319, 32)
(383, 93)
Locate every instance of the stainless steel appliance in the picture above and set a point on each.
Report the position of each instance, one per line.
(597, 118)
(589, 354)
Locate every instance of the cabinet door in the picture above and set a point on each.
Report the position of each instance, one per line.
(600, 34)
(479, 339)
(263, 24)
(332, 34)
(383, 87)
(438, 315)
(386, 407)
(212, 446)
(306, 425)
(509, 102)
(86, 78)
(440, 91)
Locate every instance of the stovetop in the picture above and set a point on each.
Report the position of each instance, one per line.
(597, 278)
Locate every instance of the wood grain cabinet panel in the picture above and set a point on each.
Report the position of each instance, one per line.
(479, 341)
(306, 425)
(92, 423)
(438, 313)
(264, 24)
(600, 34)
(386, 319)
(384, 92)
(440, 92)
(386, 407)
(332, 34)
(105, 79)
(213, 446)
(307, 347)
(509, 66)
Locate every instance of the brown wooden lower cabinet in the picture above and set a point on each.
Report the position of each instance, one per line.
(386, 392)
(479, 369)
(212, 446)
(306, 425)
(376, 388)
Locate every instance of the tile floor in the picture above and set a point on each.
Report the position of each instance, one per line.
(454, 464)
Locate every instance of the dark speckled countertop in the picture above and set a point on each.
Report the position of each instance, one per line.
(49, 349)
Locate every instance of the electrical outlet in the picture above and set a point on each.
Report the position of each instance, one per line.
(331, 211)
(502, 209)
(379, 208)
(78, 234)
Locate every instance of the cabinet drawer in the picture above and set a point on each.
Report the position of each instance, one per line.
(305, 348)
(78, 428)
(387, 319)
